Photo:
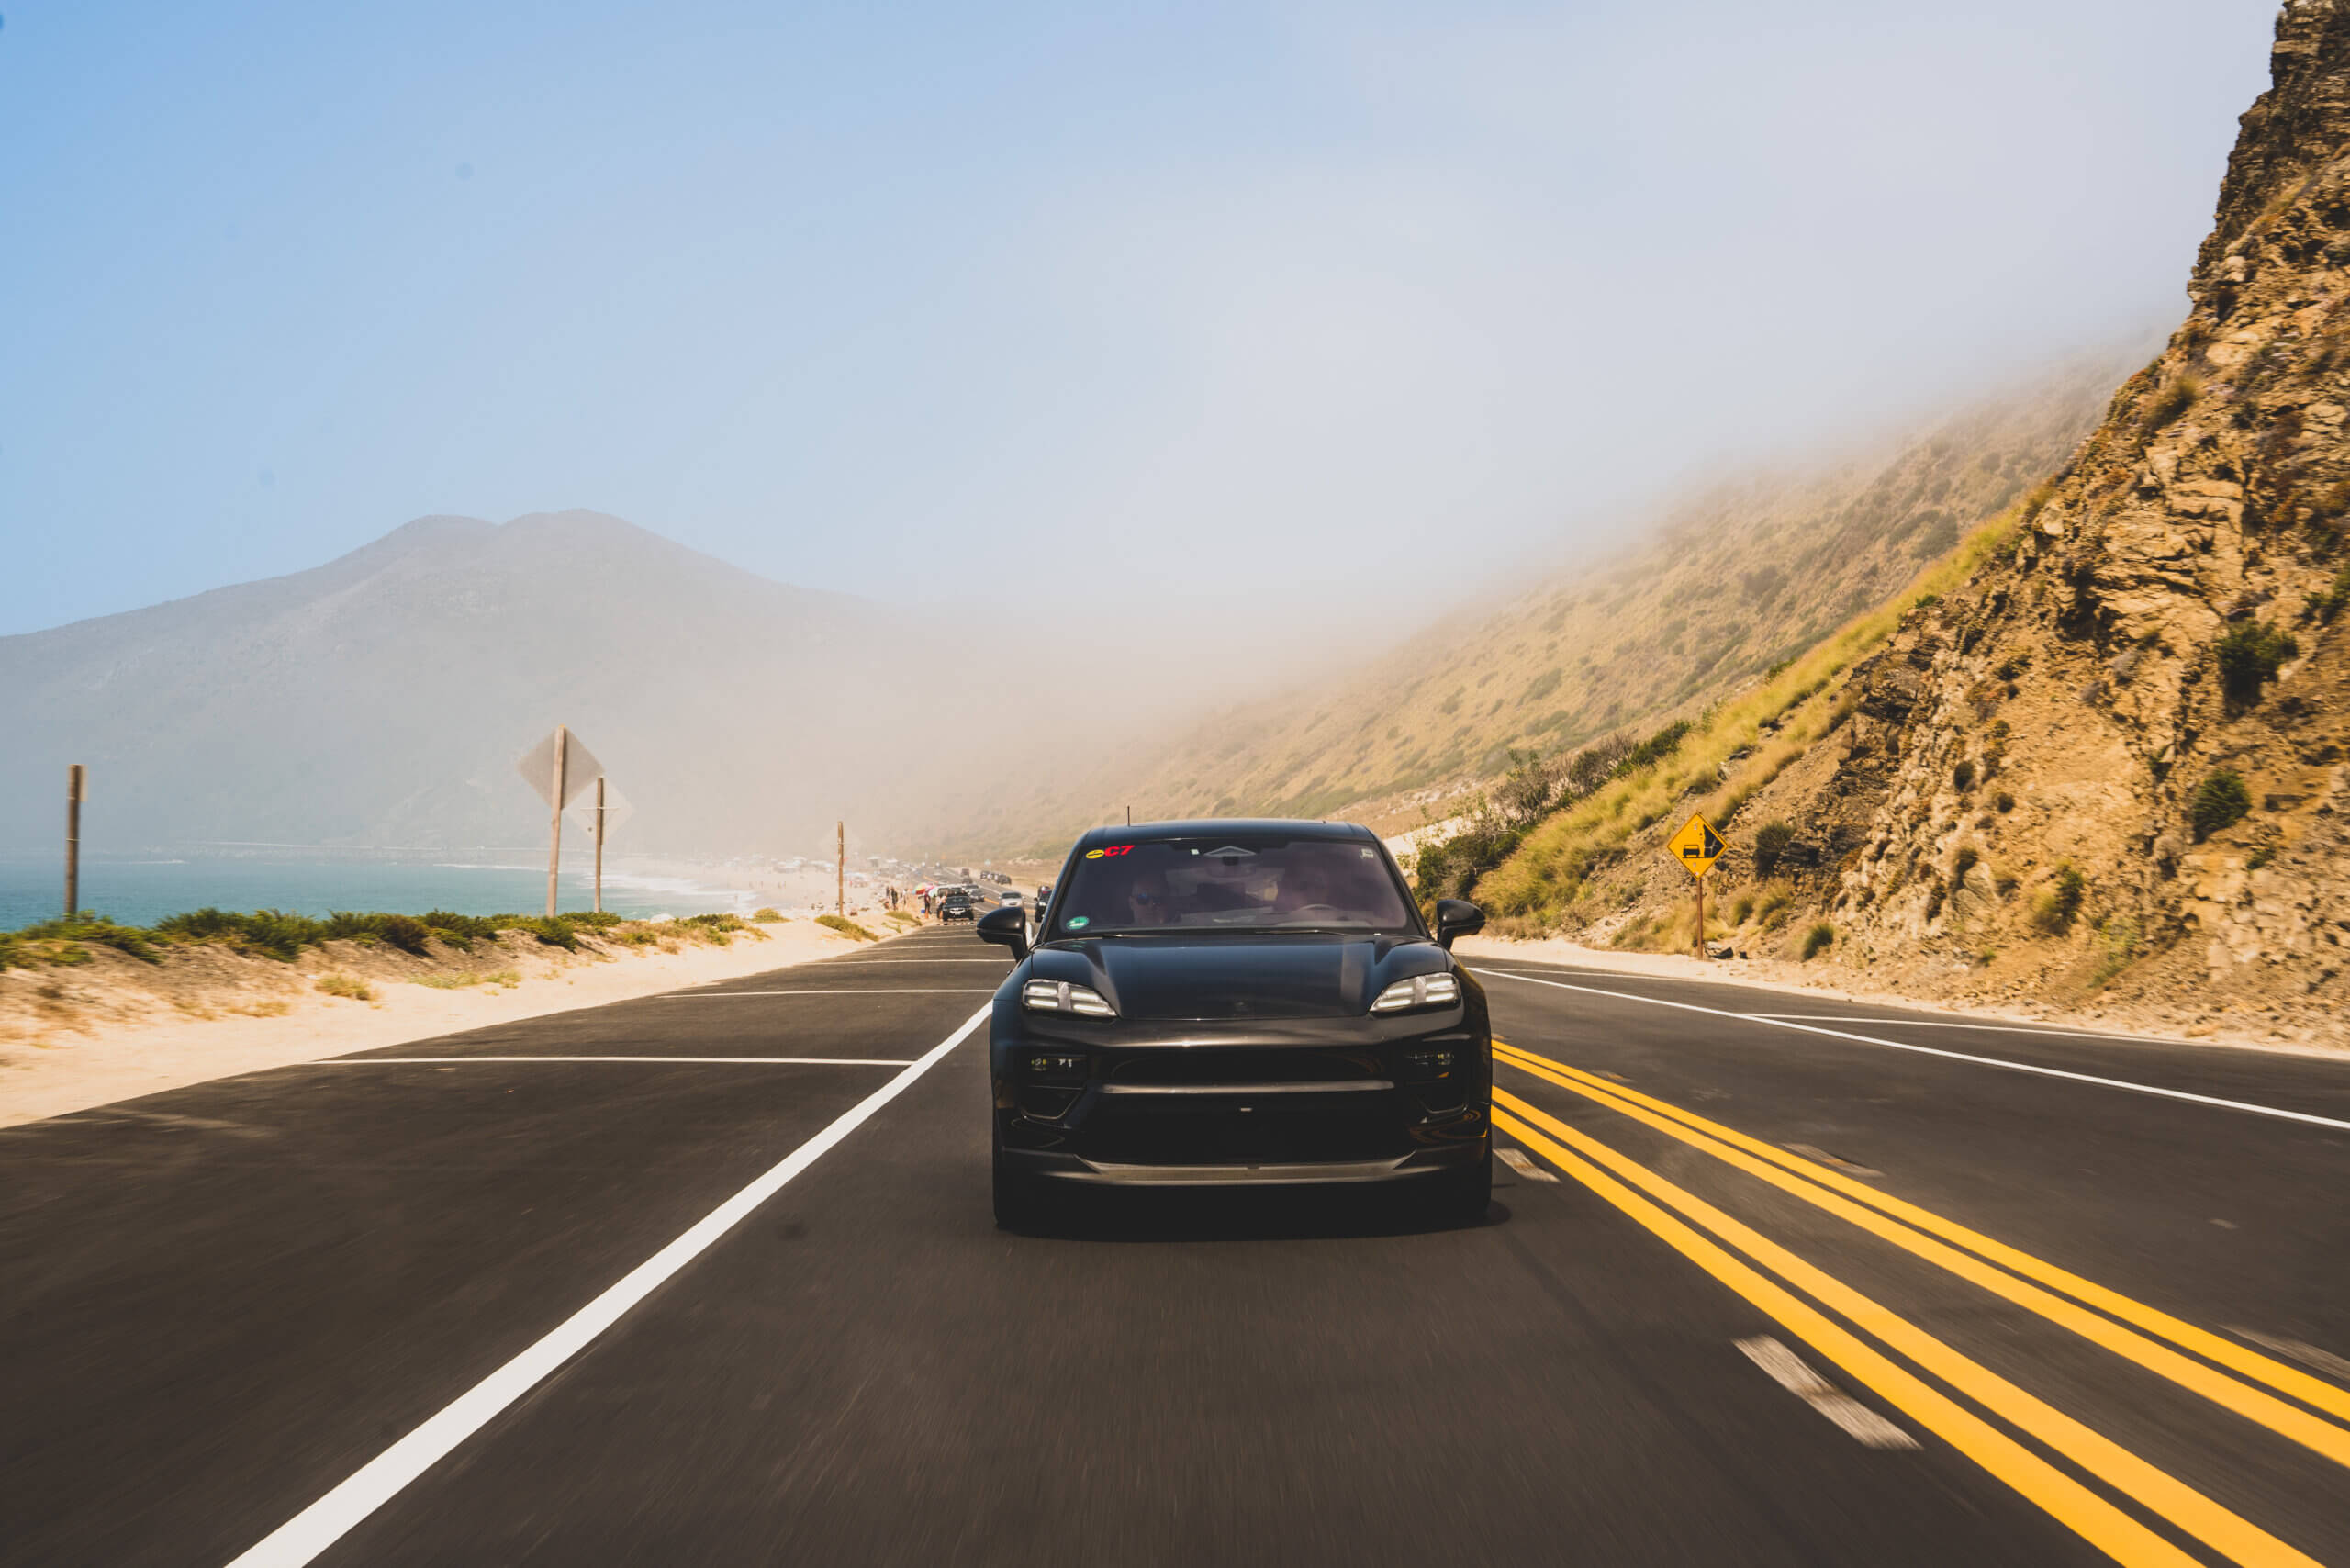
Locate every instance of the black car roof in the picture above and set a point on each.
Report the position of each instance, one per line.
(1202, 827)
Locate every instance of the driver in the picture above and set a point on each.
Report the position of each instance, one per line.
(1146, 899)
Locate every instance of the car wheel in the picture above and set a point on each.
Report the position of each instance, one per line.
(1461, 1197)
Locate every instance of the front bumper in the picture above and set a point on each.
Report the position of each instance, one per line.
(1112, 1174)
(1337, 1101)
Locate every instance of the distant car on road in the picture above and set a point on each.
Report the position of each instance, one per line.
(1009, 898)
(956, 906)
(1239, 1004)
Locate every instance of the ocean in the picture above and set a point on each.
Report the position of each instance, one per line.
(139, 889)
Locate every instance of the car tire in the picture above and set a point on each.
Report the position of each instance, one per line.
(1022, 1202)
(1461, 1197)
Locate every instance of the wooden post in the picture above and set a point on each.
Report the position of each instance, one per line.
(600, 843)
(1130, 816)
(554, 817)
(74, 842)
(840, 867)
(1701, 917)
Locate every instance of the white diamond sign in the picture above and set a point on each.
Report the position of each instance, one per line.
(579, 767)
(616, 811)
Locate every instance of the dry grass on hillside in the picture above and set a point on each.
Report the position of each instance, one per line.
(1735, 749)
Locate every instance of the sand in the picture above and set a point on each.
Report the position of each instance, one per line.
(110, 1037)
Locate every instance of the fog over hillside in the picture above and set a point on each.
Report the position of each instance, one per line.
(1693, 600)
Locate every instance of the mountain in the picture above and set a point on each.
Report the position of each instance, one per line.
(2107, 761)
(1737, 578)
(384, 698)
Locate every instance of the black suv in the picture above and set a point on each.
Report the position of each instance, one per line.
(1238, 1003)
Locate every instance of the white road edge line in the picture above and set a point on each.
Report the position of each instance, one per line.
(885, 990)
(1994, 1028)
(1952, 1055)
(300, 1538)
(731, 1061)
(1793, 1374)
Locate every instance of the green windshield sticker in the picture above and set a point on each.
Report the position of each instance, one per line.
(1076, 920)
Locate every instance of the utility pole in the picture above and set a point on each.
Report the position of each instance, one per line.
(840, 867)
(600, 843)
(1130, 816)
(74, 842)
(554, 815)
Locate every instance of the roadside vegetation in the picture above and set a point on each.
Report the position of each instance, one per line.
(847, 927)
(1715, 763)
(275, 934)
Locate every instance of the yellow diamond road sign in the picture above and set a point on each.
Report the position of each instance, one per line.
(1696, 846)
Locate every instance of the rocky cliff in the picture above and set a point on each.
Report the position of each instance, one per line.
(2112, 764)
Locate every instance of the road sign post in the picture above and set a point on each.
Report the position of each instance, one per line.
(73, 783)
(1696, 846)
(558, 769)
(555, 797)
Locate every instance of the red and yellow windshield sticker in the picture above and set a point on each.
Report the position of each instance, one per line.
(1098, 854)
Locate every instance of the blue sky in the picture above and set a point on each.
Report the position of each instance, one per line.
(1041, 301)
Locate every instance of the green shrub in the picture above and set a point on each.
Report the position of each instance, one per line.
(2053, 910)
(405, 931)
(459, 931)
(1771, 841)
(2250, 655)
(1817, 940)
(2003, 801)
(2221, 801)
(343, 985)
(1963, 775)
(847, 927)
(87, 926)
(1743, 909)
(1656, 748)
(767, 916)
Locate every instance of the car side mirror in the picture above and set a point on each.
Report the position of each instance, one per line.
(1457, 917)
(1006, 928)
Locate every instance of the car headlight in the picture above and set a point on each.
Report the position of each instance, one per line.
(1420, 990)
(1060, 996)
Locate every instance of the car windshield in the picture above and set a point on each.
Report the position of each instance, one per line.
(1226, 883)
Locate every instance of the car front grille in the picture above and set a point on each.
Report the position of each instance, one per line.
(1179, 1070)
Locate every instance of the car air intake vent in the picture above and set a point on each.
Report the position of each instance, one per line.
(1175, 1070)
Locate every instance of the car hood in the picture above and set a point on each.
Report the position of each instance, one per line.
(1238, 978)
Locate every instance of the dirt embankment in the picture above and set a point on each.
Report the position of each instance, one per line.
(107, 1026)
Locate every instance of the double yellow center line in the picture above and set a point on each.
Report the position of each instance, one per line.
(2137, 1338)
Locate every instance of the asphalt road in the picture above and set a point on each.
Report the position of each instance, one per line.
(503, 1298)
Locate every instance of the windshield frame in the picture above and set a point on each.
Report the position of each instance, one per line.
(1050, 929)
